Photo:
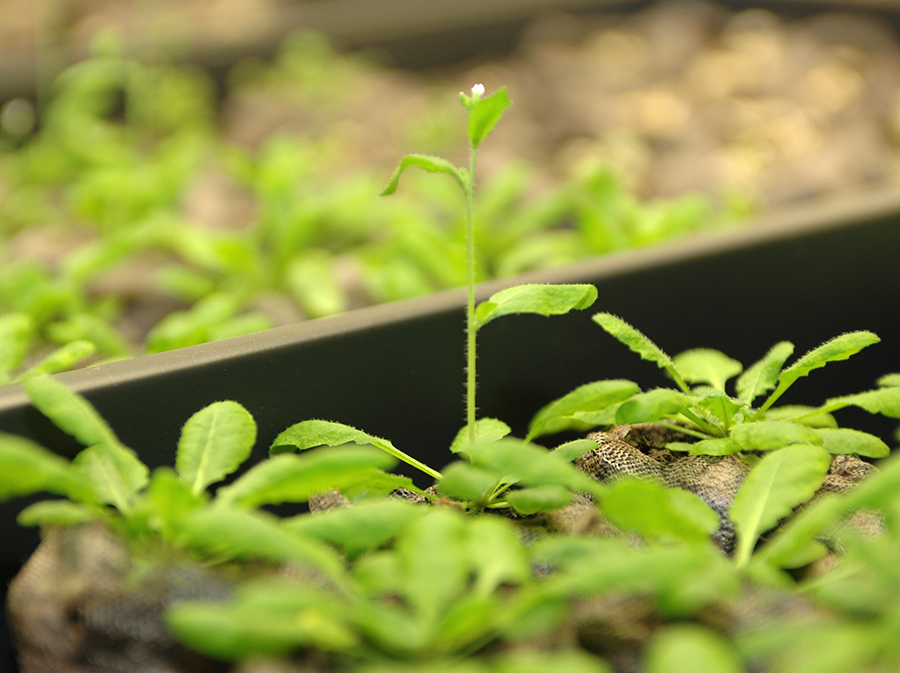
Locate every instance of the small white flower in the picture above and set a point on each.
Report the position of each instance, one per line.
(477, 90)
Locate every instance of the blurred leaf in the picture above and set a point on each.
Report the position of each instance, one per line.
(575, 449)
(688, 648)
(486, 430)
(57, 513)
(16, 333)
(484, 113)
(431, 164)
(497, 554)
(462, 481)
(539, 498)
(762, 376)
(310, 278)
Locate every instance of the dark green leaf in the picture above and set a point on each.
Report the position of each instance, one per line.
(640, 344)
(431, 164)
(213, 444)
(596, 396)
(762, 376)
(654, 405)
(484, 113)
(291, 478)
(769, 435)
(486, 430)
(543, 300)
(705, 365)
(539, 498)
(782, 480)
(168, 501)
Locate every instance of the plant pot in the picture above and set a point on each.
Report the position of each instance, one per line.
(396, 370)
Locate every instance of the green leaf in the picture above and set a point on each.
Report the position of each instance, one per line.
(60, 360)
(652, 406)
(223, 531)
(558, 661)
(435, 570)
(497, 554)
(539, 498)
(545, 300)
(484, 113)
(705, 365)
(291, 478)
(57, 513)
(721, 406)
(486, 430)
(885, 401)
(659, 513)
(16, 332)
(640, 344)
(309, 434)
(27, 468)
(214, 442)
(769, 435)
(717, 446)
(559, 414)
(575, 449)
(529, 465)
(69, 411)
(431, 164)
(114, 473)
(168, 500)
(357, 529)
(782, 480)
(799, 413)
(688, 647)
(846, 440)
(839, 348)
(462, 481)
(762, 376)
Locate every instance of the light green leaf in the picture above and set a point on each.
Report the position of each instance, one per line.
(484, 113)
(705, 365)
(27, 468)
(717, 446)
(892, 380)
(57, 513)
(462, 481)
(652, 406)
(60, 360)
(762, 376)
(431, 164)
(846, 440)
(538, 299)
(486, 430)
(558, 661)
(214, 442)
(779, 482)
(884, 401)
(310, 434)
(591, 397)
(575, 449)
(357, 529)
(688, 648)
(291, 478)
(721, 406)
(799, 413)
(497, 554)
(168, 500)
(69, 411)
(659, 513)
(640, 344)
(539, 498)
(839, 348)
(769, 435)
(16, 332)
(312, 281)
(114, 473)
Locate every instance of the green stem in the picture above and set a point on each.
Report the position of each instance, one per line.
(471, 327)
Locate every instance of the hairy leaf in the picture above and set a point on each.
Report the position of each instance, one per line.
(213, 444)
(484, 113)
(486, 430)
(430, 163)
(762, 376)
(651, 406)
(310, 434)
(559, 414)
(640, 344)
(769, 435)
(779, 482)
(839, 348)
(705, 365)
(497, 554)
(717, 446)
(291, 478)
(538, 299)
(846, 440)
(659, 513)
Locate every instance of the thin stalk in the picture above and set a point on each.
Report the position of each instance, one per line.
(471, 327)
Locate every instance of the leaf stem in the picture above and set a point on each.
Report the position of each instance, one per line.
(471, 327)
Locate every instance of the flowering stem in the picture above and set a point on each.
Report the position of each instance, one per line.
(470, 307)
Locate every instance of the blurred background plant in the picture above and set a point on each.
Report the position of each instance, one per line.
(150, 203)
